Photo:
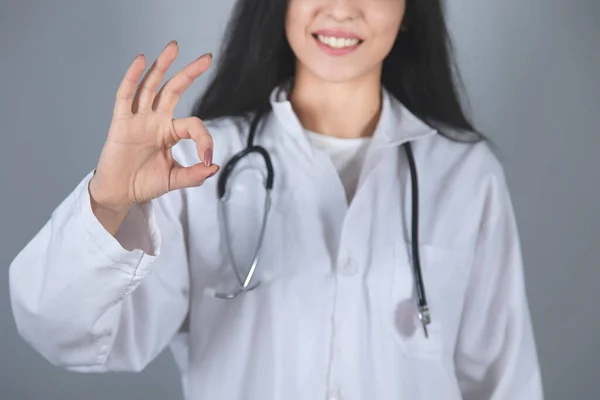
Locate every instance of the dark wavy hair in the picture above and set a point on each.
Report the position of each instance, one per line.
(419, 70)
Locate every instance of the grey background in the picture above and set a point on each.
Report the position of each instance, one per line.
(531, 72)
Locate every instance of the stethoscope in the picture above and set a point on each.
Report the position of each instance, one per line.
(245, 282)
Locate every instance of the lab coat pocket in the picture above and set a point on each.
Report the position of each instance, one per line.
(438, 266)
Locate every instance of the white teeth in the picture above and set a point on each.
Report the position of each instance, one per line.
(337, 43)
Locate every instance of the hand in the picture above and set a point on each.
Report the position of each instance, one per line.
(136, 163)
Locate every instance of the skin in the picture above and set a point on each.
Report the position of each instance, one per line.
(136, 163)
(333, 95)
(341, 95)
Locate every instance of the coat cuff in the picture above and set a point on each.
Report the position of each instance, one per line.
(138, 241)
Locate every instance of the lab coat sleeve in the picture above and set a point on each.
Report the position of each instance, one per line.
(496, 355)
(93, 302)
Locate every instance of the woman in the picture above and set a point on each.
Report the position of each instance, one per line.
(352, 100)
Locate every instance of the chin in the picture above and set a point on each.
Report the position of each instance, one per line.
(337, 74)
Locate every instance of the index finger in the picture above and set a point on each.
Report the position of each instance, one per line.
(169, 94)
(193, 128)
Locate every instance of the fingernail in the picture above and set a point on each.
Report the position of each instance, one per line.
(208, 155)
(209, 55)
(170, 43)
(139, 55)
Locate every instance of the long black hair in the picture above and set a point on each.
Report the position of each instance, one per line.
(419, 70)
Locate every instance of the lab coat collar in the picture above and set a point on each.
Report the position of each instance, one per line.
(396, 125)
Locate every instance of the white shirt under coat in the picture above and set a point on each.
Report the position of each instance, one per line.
(335, 314)
(346, 154)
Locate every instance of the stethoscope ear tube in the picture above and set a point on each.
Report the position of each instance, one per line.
(246, 282)
(422, 306)
(250, 148)
(229, 167)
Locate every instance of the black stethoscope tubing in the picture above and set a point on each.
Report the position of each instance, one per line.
(422, 306)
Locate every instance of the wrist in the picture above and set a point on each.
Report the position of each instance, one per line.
(102, 199)
(110, 214)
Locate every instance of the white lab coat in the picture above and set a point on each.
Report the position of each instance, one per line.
(334, 316)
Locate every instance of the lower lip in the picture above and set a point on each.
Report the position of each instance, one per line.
(336, 52)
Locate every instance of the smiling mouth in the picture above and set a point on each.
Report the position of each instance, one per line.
(337, 42)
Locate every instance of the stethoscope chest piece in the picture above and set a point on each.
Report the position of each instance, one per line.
(407, 319)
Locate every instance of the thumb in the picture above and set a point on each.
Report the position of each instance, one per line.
(195, 175)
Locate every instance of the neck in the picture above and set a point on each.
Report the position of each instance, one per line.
(346, 109)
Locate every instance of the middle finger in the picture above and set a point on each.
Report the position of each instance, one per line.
(149, 85)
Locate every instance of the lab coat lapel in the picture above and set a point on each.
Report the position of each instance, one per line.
(396, 126)
(288, 120)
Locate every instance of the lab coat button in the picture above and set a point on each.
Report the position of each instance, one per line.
(349, 268)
